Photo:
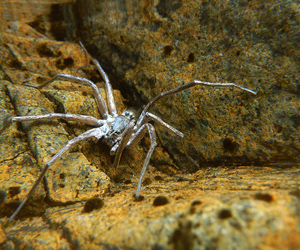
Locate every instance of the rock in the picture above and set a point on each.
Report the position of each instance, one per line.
(229, 212)
(29, 12)
(35, 234)
(27, 146)
(19, 168)
(157, 46)
(154, 47)
(242, 207)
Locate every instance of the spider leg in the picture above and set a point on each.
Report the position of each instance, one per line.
(95, 132)
(109, 90)
(125, 138)
(89, 120)
(183, 87)
(156, 119)
(98, 96)
(135, 139)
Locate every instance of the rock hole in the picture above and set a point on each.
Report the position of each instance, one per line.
(16, 64)
(263, 197)
(230, 145)
(160, 201)
(127, 182)
(44, 51)
(64, 63)
(167, 50)
(196, 203)
(191, 58)
(12, 191)
(68, 62)
(225, 214)
(93, 204)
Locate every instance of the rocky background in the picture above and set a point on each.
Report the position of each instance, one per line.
(246, 194)
(152, 48)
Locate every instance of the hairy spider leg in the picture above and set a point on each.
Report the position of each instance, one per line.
(97, 94)
(95, 132)
(135, 139)
(108, 87)
(89, 120)
(142, 117)
(156, 119)
(146, 115)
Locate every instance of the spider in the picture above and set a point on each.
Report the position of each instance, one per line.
(118, 131)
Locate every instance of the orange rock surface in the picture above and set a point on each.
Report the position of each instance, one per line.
(85, 204)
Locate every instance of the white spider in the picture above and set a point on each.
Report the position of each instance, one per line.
(118, 131)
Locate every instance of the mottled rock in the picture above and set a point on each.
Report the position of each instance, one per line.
(229, 213)
(35, 13)
(251, 207)
(3, 237)
(152, 47)
(19, 168)
(26, 147)
(34, 233)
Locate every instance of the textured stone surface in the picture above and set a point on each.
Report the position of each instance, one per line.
(152, 47)
(236, 207)
(231, 208)
(28, 11)
(29, 57)
(18, 166)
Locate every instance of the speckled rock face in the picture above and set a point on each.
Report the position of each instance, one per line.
(153, 47)
(242, 208)
(29, 57)
(157, 46)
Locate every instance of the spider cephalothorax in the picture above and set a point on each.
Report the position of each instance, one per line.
(118, 131)
(117, 127)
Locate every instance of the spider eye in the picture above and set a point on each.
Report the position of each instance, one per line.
(128, 114)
